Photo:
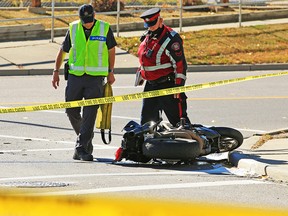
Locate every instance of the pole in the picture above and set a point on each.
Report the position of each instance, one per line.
(52, 22)
(240, 13)
(118, 17)
(181, 15)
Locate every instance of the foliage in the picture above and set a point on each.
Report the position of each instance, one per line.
(192, 2)
(247, 45)
(106, 5)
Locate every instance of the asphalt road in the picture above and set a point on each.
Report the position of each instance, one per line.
(37, 147)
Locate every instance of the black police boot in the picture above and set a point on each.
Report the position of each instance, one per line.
(90, 148)
(81, 154)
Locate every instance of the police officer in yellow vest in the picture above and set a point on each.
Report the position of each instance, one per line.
(91, 47)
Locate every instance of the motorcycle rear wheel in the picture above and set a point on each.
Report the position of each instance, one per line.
(161, 148)
(230, 138)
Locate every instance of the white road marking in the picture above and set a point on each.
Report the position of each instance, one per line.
(95, 146)
(218, 170)
(54, 149)
(24, 138)
(151, 187)
(35, 150)
(138, 119)
(113, 116)
(251, 130)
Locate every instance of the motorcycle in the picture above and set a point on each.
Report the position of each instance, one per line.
(160, 141)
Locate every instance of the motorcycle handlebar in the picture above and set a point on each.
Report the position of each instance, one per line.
(147, 127)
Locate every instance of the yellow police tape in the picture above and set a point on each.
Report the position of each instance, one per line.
(111, 206)
(107, 206)
(135, 96)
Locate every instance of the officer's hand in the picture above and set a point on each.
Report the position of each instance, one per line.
(141, 82)
(111, 78)
(55, 79)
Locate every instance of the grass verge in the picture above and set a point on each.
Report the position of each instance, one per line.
(247, 45)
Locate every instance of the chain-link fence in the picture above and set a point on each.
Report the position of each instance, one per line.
(133, 3)
(124, 14)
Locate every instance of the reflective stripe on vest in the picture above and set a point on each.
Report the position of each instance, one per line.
(95, 62)
(157, 67)
(158, 57)
(163, 46)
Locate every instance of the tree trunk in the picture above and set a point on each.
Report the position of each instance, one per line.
(35, 3)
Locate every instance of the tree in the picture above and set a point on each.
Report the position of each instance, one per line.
(35, 3)
(106, 5)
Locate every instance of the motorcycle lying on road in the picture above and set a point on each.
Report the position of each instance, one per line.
(160, 141)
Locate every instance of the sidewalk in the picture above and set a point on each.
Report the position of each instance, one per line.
(37, 58)
(267, 158)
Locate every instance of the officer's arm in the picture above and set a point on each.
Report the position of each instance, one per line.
(66, 45)
(112, 52)
(59, 60)
(176, 51)
(110, 77)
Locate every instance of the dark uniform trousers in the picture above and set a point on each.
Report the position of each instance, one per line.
(173, 108)
(87, 87)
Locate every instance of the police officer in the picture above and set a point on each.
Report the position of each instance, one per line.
(162, 65)
(91, 59)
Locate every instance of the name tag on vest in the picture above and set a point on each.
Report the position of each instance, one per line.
(98, 38)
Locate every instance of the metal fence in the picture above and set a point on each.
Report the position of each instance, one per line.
(122, 10)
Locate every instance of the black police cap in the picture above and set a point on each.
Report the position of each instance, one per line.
(86, 13)
(150, 16)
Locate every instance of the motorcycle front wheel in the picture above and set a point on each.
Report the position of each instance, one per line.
(165, 148)
(230, 138)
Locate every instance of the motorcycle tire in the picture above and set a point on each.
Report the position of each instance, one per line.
(230, 138)
(182, 149)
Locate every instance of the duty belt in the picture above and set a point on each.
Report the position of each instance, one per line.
(164, 79)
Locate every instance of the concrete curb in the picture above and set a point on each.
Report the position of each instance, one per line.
(244, 161)
(277, 173)
(261, 161)
(132, 70)
(273, 132)
(24, 72)
(242, 67)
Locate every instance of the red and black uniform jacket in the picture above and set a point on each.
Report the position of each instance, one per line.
(161, 55)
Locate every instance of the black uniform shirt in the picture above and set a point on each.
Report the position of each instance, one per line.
(110, 40)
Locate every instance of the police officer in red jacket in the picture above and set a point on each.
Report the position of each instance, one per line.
(162, 65)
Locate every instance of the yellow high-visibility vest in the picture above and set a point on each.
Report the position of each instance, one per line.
(89, 56)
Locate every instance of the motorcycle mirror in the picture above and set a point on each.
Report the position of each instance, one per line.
(160, 115)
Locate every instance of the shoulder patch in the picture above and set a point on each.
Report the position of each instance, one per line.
(175, 46)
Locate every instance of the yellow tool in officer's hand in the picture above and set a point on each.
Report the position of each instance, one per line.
(104, 114)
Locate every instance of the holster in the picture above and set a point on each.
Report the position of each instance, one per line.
(66, 70)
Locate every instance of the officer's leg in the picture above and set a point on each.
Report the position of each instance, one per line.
(150, 107)
(150, 110)
(75, 118)
(93, 89)
(87, 130)
(183, 107)
(175, 108)
(74, 92)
